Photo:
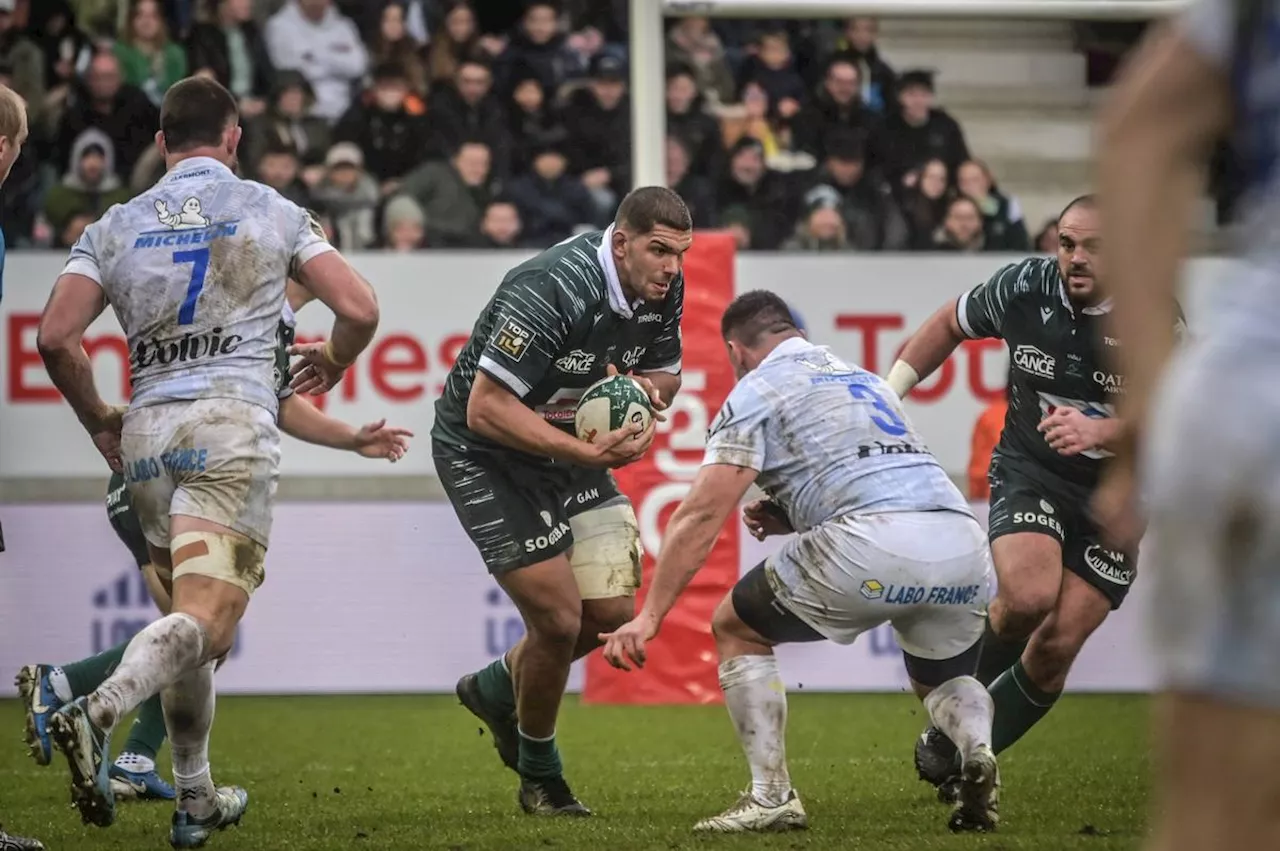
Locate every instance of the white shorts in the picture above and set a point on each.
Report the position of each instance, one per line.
(216, 459)
(928, 573)
(1212, 476)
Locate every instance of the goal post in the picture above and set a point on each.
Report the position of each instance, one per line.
(648, 74)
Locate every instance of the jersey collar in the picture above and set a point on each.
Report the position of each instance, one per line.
(789, 346)
(187, 166)
(1102, 308)
(617, 298)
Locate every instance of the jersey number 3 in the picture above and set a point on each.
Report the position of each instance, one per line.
(199, 260)
(890, 422)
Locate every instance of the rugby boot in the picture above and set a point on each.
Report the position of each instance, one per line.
(187, 831)
(938, 764)
(87, 750)
(549, 797)
(751, 816)
(39, 701)
(978, 808)
(140, 786)
(9, 842)
(503, 730)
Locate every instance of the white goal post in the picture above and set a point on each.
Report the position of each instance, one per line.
(648, 83)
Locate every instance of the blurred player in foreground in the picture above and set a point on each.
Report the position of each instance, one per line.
(539, 503)
(1209, 428)
(1057, 579)
(43, 689)
(195, 270)
(883, 535)
(13, 133)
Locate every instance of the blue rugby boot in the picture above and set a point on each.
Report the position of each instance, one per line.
(39, 701)
(188, 831)
(87, 750)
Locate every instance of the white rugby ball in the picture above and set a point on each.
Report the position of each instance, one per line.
(610, 404)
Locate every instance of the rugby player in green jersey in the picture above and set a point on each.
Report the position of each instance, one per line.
(539, 504)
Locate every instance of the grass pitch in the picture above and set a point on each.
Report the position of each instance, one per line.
(414, 773)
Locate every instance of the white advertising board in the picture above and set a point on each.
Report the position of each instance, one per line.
(864, 307)
(380, 598)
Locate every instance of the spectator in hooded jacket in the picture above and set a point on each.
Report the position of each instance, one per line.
(1006, 230)
(822, 227)
(598, 119)
(231, 47)
(552, 203)
(468, 108)
(538, 46)
(857, 41)
(313, 37)
(88, 188)
(688, 120)
(533, 116)
(149, 59)
(873, 221)
(288, 121)
(762, 199)
(390, 126)
(453, 194)
(920, 130)
(121, 111)
(838, 105)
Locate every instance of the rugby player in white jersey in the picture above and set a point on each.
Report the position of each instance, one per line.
(195, 271)
(1208, 429)
(882, 535)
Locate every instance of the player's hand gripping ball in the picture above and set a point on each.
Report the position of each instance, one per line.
(612, 403)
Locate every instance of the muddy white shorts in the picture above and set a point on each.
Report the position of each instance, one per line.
(216, 459)
(928, 573)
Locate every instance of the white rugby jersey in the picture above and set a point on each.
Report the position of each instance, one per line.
(195, 270)
(828, 439)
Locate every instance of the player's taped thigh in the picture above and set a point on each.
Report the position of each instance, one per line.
(226, 557)
(606, 552)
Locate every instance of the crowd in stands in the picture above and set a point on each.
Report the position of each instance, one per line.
(410, 124)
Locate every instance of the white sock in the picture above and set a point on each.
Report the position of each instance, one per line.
(136, 763)
(757, 703)
(188, 716)
(962, 708)
(159, 654)
(61, 685)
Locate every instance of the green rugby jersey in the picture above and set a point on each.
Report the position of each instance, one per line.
(553, 325)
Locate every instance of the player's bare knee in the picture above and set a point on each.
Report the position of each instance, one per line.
(1017, 613)
(733, 637)
(606, 615)
(557, 630)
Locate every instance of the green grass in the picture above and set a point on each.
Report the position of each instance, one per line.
(414, 772)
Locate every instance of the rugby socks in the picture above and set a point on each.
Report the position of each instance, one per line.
(145, 738)
(962, 709)
(997, 655)
(496, 688)
(757, 703)
(1019, 705)
(539, 758)
(157, 656)
(86, 675)
(188, 712)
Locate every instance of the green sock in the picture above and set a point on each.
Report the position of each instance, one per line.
(1019, 705)
(87, 674)
(539, 758)
(997, 655)
(147, 733)
(496, 687)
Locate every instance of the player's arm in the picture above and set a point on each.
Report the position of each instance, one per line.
(975, 314)
(1168, 107)
(302, 420)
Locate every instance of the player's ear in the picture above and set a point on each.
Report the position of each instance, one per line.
(160, 144)
(232, 138)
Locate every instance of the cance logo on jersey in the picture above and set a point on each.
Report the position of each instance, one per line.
(577, 362)
(1030, 359)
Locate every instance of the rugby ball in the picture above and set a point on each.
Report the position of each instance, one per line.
(610, 404)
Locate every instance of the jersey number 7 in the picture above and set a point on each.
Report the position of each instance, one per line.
(890, 423)
(199, 260)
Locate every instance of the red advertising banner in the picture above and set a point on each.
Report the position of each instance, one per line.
(682, 666)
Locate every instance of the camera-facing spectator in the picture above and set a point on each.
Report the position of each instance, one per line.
(598, 119)
(838, 105)
(538, 46)
(873, 221)
(404, 225)
(23, 56)
(149, 59)
(313, 37)
(857, 40)
(1002, 217)
(348, 197)
(394, 45)
(288, 121)
(762, 195)
(457, 39)
(533, 116)
(552, 203)
(453, 194)
(696, 189)
(692, 42)
(279, 168)
(389, 124)
(920, 131)
(121, 111)
(961, 228)
(468, 108)
(823, 227)
(924, 202)
(1047, 238)
(231, 47)
(88, 188)
(687, 119)
(501, 226)
(773, 67)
